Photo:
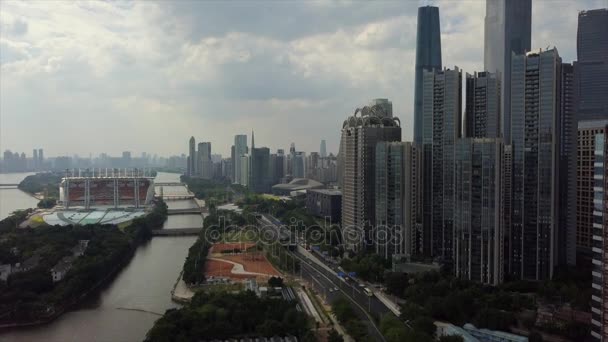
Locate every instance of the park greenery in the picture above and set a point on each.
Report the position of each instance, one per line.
(370, 267)
(46, 183)
(347, 317)
(31, 295)
(214, 192)
(222, 316)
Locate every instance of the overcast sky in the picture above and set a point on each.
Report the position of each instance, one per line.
(91, 77)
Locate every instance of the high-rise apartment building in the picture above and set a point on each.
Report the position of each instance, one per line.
(535, 143)
(205, 163)
(567, 166)
(482, 105)
(508, 30)
(442, 114)
(389, 237)
(360, 134)
(599, 294)
(428, 57)
(385, 104)
(323, 149)
(412, 202)
(587, 130)
(240, 149)
(591, 68)
(477, 214)
(192, 157)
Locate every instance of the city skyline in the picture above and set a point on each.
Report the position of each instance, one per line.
(303, 75)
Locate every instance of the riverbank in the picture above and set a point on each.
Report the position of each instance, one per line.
(113, 248)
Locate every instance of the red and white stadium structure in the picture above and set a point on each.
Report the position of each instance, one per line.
(117, 189)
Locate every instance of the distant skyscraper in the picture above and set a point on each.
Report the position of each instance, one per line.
(205, 164)
(482, 107)
(259, 171)
(428, 57)
(477, 213)
(508, 30)
(323, 149)
(35, 160)
(591, 69)
(384, 103)
(192, 157)
(299, 165)
(41, 158)
(599, 300)
(442, 112)
(360, 133)
(240, 148)
(536, 131)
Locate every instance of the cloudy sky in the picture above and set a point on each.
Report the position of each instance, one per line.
(91, 77)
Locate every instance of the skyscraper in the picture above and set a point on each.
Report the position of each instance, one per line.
(508, 30)
(41, 158)
(389, 232)
(323, 149)
(535, 142)
(35, 160)
(259, 171)
(442, 112)
(587, 130)
(205, 164)
(567, 166)
(591, 69)
(240, 149)
(599, 300)
(192, 157)
(428, 57)
(360, 133)
(412, 203)
(482, 107)
(384, 103)
(477, 213)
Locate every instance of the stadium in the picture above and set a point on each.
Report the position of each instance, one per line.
(112, 191)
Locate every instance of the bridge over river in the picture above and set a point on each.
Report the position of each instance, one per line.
(186, 213)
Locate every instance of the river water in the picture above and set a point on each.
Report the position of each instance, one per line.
(127, 308)
(12, 199)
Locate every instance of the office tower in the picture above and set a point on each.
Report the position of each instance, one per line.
(477, 213)
(535, 118)
(360, 133)
(591, 69)
(482, 107)
(205, 165)
(244, 162)
(35, 159)
(587, 130)
(259, 172)
(323, 149)
(442, 113)
(508, 30)
(567, 168)
(599, 300)
(388, 237)
(298, 165)
(240, 149)
(412, 203)
(385, 104)
(41, 158)
(192, 157)
(428, 57)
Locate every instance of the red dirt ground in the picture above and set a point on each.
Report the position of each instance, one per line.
(216, 268)
(259, 265)
(220, 247)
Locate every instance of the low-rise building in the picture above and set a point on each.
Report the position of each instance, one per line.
(295, 185)
(59, 271)
(324, 203)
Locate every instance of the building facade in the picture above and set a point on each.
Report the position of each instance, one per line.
(599, 294)
(591, 68)
(428, 57)
(240, 149)
(478, 233)
(360, 134)
(192, 157)
(482, 107)
(442, 113)
(205, 163)
(508, 30)
(535, 142)
(324, 203)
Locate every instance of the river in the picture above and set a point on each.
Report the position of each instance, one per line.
(127, 308)
(12, 199)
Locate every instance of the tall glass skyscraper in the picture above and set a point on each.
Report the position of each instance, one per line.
(591, 69)
(428, 57)
(508, 30)
(535, 156)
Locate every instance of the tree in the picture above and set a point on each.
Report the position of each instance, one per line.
(275, 282)
(396, 282)
(334, 336)
(535, 336)
(451, 338)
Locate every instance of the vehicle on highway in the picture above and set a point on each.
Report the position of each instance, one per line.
(368, 292)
